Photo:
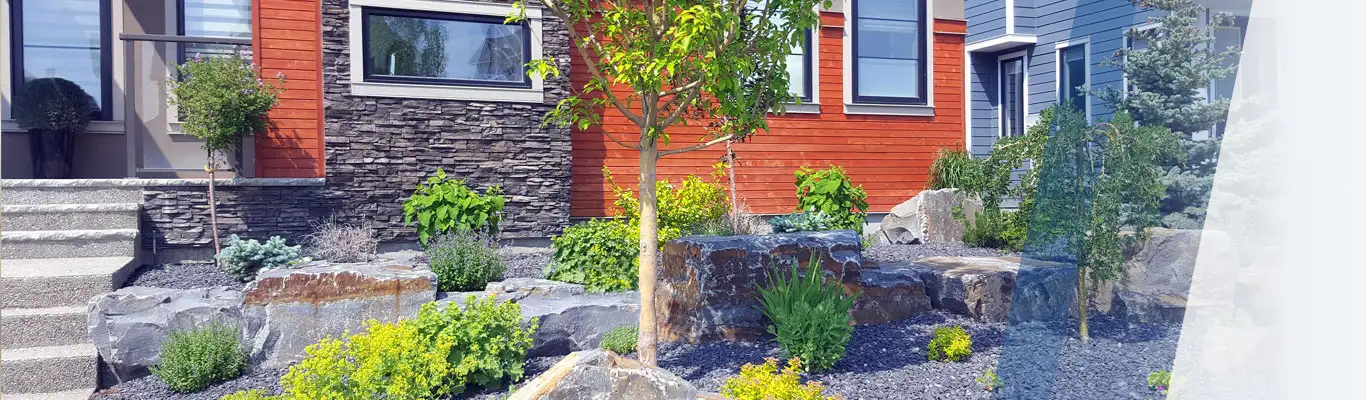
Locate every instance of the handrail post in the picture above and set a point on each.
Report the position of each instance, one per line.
(130, 114)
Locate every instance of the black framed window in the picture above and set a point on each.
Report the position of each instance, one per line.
(1012, 96)
(1072, 76)
(68, 39)
(889, 52)
(213, 18)
(402, 46)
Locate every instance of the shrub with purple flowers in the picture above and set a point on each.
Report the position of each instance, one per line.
(222, 98)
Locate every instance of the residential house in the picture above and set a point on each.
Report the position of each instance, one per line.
(379, 94)
(1025, 55)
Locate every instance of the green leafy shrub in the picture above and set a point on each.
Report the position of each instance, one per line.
(992, 228)
(1160, 381)
(442, 205)
(621, 340)
(464, 261)
(950, 343)
(336, 242)
(440, 353)
(193, 359)
(990, 381)
(766, 382)
(956, 169)
(683, 210)
(600, 254)
(243, 258)
(808, 314)
(831, 192)
(810, 221)
(253, 394)
(222, 98)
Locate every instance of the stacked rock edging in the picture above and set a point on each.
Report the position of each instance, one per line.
(1159, 272)
(130, 325)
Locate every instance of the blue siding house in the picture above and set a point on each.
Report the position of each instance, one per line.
(1025, 55)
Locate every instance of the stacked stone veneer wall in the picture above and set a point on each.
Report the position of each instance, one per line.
(379, 149)
(178, 216)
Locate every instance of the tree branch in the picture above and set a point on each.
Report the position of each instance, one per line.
(713, 142)
(590, 61)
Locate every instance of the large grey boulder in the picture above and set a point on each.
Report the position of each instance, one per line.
(890, 292)
(568, 318)
(998, 289)
(601, 375)
(288, 309)
(928, 217)
(129, 326)
(708, 285)
(1159, 271)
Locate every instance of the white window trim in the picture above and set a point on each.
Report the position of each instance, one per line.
(359, 87)
(115, 126)
(1010, 17)
(813, 106)
(852, 108)
(1085, 42)
(1000, 90)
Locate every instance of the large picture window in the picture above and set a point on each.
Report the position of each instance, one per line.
(214, 18)
(1012, 96)
(443, 48)
(66, 39)
(1072, 76)
(889, 51)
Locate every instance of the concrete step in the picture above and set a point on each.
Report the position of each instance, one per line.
(67, 243)
(55, 282)
(52, 326)
(55, 217)
(78, 394)
(68, 191)
(48, 369)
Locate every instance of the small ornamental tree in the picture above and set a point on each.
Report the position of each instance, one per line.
(1167, 84)
(719, 64)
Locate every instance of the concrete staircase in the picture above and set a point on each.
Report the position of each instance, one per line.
(61, 243)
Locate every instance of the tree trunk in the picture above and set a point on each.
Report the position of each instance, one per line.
(1081, 305)
(730, 173)
(649, 251)
(212, 167)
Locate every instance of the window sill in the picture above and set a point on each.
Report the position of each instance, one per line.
(98, 127)
(804, 108)
(889, 109)
(436, 92)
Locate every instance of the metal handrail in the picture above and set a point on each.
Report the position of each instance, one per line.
(130, 41)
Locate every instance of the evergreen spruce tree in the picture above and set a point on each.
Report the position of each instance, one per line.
(1167, 85)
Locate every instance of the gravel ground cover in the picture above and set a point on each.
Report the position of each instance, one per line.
(525, 262)
(886, 361)
(182, 275)
(910, 252)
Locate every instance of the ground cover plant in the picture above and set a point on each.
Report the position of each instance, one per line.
(1160, 381)
(718, 65)
(621, 340)
(990, 380)
(599, 254)
(808, 314)
(950, 343)
(445, 205)
(464, 261)
(192, 359)
(244, 258)
(810, 221)
(766, 382)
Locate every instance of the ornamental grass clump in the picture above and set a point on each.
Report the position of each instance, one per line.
(766, 382)
(343, 243)
(808, 314)
(441, 353)
(193, 359)
(244, 258)
(465, 261)
(950, 343)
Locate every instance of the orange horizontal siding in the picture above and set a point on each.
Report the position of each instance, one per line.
(888, 155)
(288, 41)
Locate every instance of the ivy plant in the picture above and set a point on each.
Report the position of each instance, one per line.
(444, 205)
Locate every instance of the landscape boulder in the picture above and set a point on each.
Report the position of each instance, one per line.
(890, 292)
(128, 326)
(1159, 272)
(601, 375)
(998, 289)
(568, 318)
(928, 217)
(708, 285)
(288, 309)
